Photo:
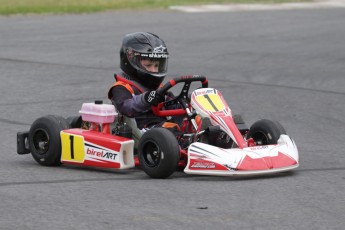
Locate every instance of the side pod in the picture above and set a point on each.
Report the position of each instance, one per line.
(92, 148)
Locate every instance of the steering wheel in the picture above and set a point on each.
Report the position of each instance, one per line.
(181, 99)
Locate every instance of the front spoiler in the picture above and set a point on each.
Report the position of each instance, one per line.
(240, 172)
(204, 159)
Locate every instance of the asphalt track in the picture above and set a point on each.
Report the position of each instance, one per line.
(282, 65)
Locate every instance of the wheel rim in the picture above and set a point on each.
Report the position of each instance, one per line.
(260, 138)
(151, 154)
(41, 141)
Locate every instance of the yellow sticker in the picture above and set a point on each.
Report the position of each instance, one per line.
(72, 147)
(211, 102)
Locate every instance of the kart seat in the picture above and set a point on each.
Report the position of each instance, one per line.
(136, 132)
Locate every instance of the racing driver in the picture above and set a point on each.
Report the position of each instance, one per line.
(144, 62)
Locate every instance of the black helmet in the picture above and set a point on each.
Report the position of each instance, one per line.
(138, 48)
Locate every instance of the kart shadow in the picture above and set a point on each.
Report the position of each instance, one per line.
(233, 178)
(102, 170)
(137, 174)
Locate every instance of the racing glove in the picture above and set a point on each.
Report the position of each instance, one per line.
(153, 98)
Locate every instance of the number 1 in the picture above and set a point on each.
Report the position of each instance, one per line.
(72, 146)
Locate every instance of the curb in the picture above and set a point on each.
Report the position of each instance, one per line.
(258, 7)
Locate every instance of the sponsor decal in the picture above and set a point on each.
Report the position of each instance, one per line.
(190, 76)
(155, 55)
(158, 52)
(152, 96)
(159, 49)
(101, 153)
(259, 147)
(202, 92)
(204, 165)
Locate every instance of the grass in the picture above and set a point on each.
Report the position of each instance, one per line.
(8, 7)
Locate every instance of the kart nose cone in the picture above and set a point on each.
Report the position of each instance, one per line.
(265, 163)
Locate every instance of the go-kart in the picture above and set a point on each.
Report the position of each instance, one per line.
(211, 140)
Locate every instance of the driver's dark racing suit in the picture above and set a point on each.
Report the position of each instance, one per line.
(127, 95)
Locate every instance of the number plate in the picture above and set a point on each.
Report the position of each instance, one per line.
(72, 147)
(211, 102)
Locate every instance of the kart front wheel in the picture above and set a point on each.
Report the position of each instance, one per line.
(266, 132)
(44, 139)
(159, 153)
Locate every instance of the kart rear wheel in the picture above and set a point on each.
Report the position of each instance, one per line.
(266, 132)
(159, 153)
(44, 139)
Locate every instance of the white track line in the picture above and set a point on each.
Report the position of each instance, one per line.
(257, 7)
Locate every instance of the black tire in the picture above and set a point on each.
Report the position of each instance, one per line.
(159, 153)
(266, 132)
(74, 121)
(45, 141)
(238, 119)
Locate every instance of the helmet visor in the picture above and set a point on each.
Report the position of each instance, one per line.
(152, 63)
